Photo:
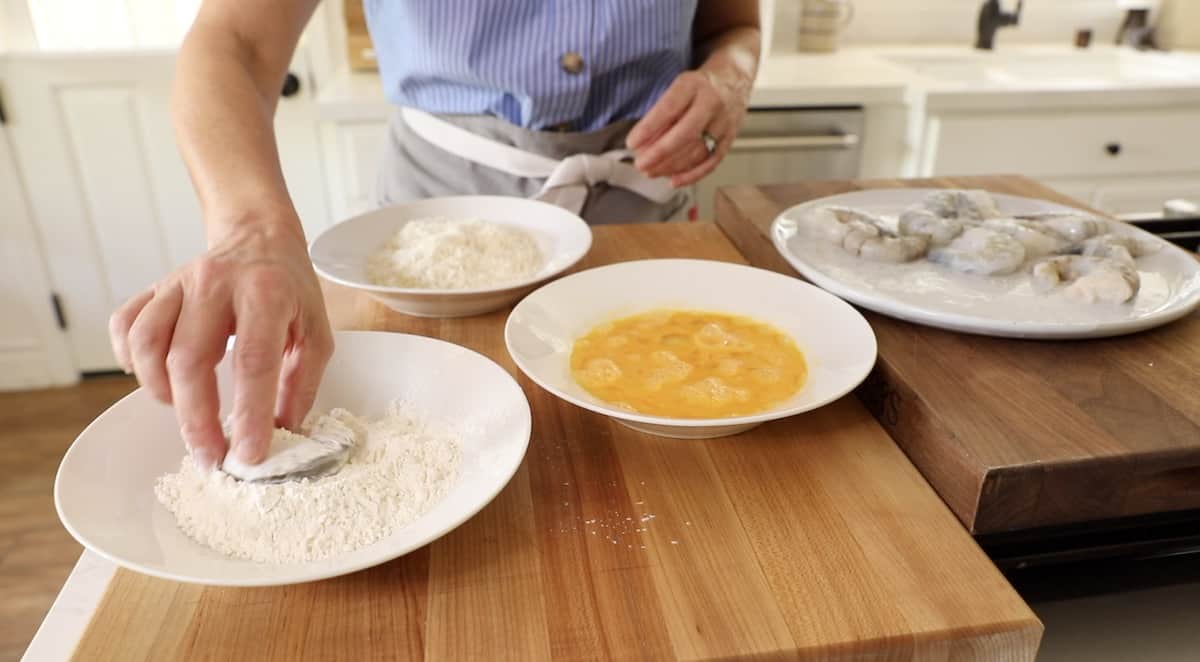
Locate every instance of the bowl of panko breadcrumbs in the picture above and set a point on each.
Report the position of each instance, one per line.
(454, 256)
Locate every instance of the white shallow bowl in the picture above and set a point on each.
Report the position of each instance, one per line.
(104, 491)
(340, 253)
(837, 342)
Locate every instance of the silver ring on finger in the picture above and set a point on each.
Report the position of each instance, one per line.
(710, 141)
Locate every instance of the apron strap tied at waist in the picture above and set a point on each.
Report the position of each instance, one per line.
(567, 181)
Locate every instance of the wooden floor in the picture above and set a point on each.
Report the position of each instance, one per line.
(36, 553)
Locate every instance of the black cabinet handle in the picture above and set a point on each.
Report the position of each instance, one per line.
(291, 85)
(1113, 149)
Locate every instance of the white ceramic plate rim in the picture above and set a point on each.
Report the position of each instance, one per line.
(762, 417)
(969, 323)
(332, 569)
(571, 259)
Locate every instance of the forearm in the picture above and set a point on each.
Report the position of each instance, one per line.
(727, 41)
(732, 58)
(223, 106)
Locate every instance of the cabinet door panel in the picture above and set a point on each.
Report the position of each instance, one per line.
(787, 146)
(108, 191)
(104, 133)
(352, 152)
(1146, 196)
(42, 141)
(33, 351)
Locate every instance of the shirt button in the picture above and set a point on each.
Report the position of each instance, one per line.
(571, 62)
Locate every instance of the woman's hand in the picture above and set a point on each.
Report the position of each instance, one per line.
(256, 282)
(710, 101)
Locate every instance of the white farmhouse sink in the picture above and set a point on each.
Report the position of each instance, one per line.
(1045, 68)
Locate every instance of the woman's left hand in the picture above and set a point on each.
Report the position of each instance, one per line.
(670, 141)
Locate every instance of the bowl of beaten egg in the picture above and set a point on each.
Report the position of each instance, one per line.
(453, 256)
(690, 348)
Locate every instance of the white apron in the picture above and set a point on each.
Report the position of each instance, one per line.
(568, 180)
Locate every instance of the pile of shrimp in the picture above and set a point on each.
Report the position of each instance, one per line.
(1073, 254)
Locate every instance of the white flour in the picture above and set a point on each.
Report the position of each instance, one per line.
(398, 468)
(448, 254)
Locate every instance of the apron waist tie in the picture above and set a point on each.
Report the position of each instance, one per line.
(567, 181)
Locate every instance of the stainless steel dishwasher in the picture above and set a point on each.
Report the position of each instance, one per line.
(787, 145)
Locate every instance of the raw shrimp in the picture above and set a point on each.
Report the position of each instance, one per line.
(861, 238)
(981, 251)
(918, 221)
(826, 223)
(1088, 279)
(847, 214)
(973, 205)
(1030, 234)
(1116, 247)
(890, 248)
(1070, 227)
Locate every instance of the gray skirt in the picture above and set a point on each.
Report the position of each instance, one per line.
(413, 169)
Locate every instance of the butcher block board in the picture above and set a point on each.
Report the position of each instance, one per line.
(1018, 434)
(807, 538)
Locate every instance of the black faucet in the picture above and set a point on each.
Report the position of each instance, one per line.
(992, 18)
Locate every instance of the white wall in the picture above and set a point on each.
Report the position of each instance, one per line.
(16, 27)
(76, 25)
(953, 21)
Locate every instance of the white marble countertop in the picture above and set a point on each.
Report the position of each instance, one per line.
(1047, 76)
(72, 610)
(908, 75)
(847, 77)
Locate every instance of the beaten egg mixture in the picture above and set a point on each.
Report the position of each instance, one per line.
(689, 364)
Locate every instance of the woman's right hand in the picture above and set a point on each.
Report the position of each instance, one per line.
(256, 282)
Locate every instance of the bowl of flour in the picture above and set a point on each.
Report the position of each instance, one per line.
(439, 430)
(453, 256)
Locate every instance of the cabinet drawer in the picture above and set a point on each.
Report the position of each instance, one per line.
(787, 145)
(1128, 195)
(1142, 198)
(352, 150)
(1067, 144)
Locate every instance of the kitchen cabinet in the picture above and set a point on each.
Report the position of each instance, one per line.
(1130, 196)
(1133, 197)
(787, 145)
(1124, 161)
(33, 349)
(352, 149)
(107, 191)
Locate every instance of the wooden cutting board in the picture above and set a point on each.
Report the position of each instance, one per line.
(811, 537)
(1017, 434)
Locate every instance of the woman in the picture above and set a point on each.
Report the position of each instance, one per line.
(541, 98)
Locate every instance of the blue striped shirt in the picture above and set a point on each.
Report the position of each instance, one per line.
(506, 57)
